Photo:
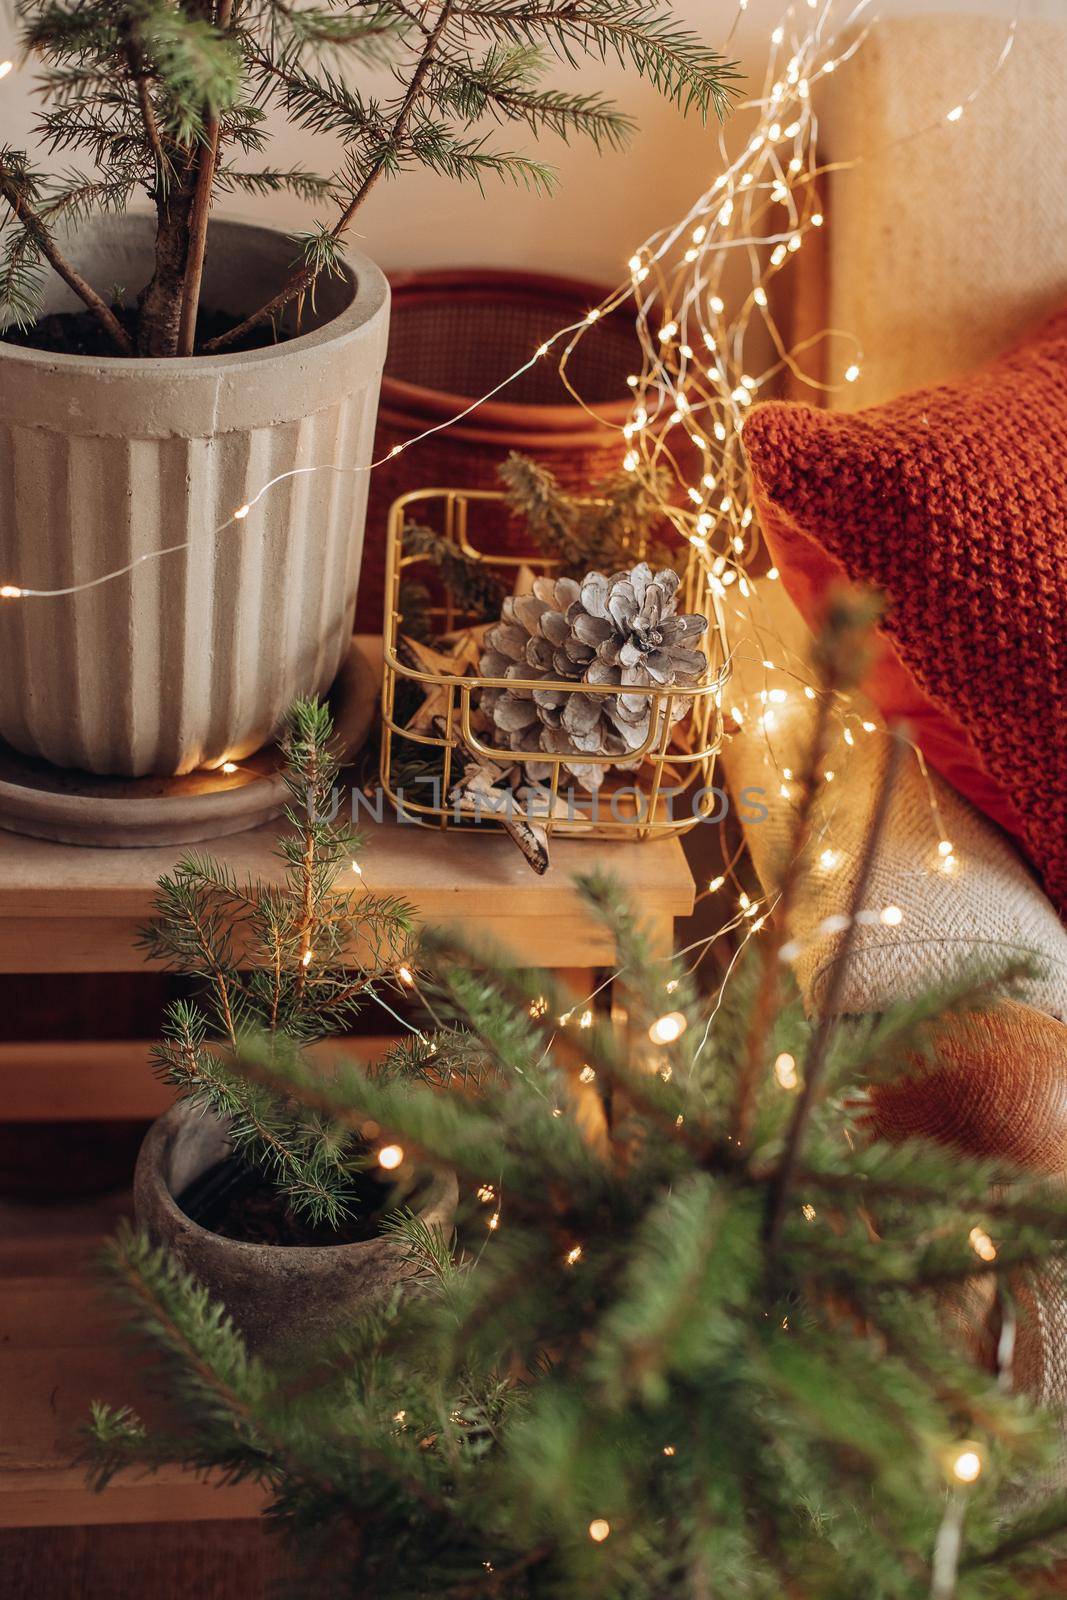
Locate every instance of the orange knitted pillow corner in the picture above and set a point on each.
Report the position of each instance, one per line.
(953, 502)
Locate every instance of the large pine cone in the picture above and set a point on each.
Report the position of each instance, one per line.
(622, 631)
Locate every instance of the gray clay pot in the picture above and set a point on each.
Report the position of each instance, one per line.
(281, 1297)
(191, 659)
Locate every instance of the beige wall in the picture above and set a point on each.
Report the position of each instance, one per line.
(604, 205)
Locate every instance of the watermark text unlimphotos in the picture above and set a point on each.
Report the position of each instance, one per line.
(624, 804)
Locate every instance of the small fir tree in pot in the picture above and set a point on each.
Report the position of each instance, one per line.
(169, 99)
(289, 964)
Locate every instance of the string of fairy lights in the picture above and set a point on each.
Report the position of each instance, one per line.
(763, 204)
(690, 400)
(703, 344)
(693, 392)
(694, 389)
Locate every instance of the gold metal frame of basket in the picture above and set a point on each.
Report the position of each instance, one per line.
(669, 772)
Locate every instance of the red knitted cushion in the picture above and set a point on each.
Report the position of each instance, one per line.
(953, 502)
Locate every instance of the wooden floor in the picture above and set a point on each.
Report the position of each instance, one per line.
(155, 1561)
(61, 1346)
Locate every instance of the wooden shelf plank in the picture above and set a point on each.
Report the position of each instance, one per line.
(78, 1080)
(64, 908)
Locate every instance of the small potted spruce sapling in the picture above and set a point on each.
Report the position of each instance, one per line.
(161, 367)
(276, 1209)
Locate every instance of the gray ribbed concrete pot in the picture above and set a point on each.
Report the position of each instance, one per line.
(279, 1296)
(192, 659)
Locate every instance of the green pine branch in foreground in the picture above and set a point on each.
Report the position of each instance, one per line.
(623, 1389)
(624, 1350)
(699, 1335)
(173, 101)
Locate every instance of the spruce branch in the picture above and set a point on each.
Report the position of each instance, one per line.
(815, 1058)
(304, 277)
(617, 523)
(15, 187)
(160, 93)
(276, 960)
(141, 77)
(206, 163)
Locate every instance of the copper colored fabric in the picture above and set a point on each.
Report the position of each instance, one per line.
(998, 1089)
(953, 502)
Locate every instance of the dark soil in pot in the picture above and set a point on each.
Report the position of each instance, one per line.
(236, 1202)
(78, 333)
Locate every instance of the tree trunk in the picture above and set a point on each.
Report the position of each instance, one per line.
(160, 302)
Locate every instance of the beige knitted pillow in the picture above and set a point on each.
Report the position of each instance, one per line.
(946, 240)
(987, 908)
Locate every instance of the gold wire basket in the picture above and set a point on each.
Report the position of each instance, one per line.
(667, 793)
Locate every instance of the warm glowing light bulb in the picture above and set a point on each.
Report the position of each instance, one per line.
(573, 1255)
(891, 916)
(599, 1530)
(715, 885)
(852, 373)
(982, 1244)
(305, 959)
(955, 114)
(241, 513)
(357, 869)
(945, 847)
(10, 591)
(390, 1156)
(229, 766)
(406, 976)
(785, 1070)
(967, 1463)
(668, 1029)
